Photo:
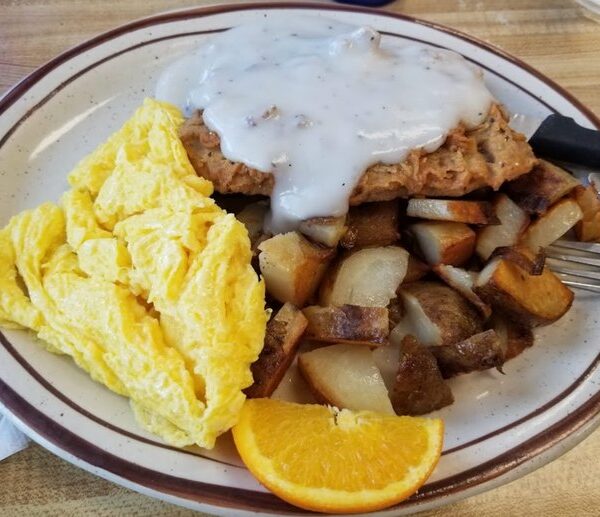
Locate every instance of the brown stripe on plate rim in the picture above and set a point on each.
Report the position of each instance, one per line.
(172, 36)
(147, 42)
(477, 475)
(518, 455)
(230, 497)
(85, 70)
(548, 405)
(26, 83)
(68, 441)
(8, 346)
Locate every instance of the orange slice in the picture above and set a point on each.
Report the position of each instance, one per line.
(328, 460)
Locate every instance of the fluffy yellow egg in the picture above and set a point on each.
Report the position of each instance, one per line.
(143, 280)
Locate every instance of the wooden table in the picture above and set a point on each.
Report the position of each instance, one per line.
(552, 35)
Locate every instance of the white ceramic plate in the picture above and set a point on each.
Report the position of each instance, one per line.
(499, 428)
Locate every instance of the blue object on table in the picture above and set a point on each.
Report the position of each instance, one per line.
(366, 3)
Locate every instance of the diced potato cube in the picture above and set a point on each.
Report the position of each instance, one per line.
(419, 386)
(531, 300)
(513, 221)
(282, 338)
(347, 324)
(588, 228)
(368, 277)
(324, 230)
(538, 190)
(552, 225)
(372, 224)
(292, 267)
(476, 353)
(460, 211)
(345, 376)
(444, 242)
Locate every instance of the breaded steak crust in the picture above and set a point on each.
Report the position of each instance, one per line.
(485, 156)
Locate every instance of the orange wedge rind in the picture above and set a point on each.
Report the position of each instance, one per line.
(337, 461)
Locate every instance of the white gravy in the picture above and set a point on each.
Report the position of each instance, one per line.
(316, 102)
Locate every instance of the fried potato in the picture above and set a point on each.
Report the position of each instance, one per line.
(368, 277)
(387, 359)
(252, 216)
(588, 228)
(395, 311)
(476, 353)
(470, 212)
(444, 242)
(282, 338)
(531, 300)
(347, 324)
(552, 225)
(419, 386)
(523, 257)
(439, 315)
(538, 190)
(514, 337)
(324, 230)
(292, 267)
(463, 281)
(345, 376)
(416, 269)
(372, 224)
(513, 221)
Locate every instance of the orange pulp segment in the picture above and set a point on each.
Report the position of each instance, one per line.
(324, 459)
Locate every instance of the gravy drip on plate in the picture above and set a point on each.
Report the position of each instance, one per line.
(316, 102)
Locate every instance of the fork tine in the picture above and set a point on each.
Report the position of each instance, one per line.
(563, 252)
(591, 247)
(581, 273)
(589, 261)
(594, 288)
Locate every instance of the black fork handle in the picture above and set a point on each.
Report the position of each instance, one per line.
(561, 138)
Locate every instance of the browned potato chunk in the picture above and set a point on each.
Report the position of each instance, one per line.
(513, 221)
(345, 376)
(536, 191)
(419, 387)
(523, 257)
(588, 228)
(552, 225)
(470, 212)
(514, 337)
(416, 270)
(324, 230)
(347, 324)
(292, 267)
(463, 282)
(531, 300)
(444, 242)
(395, 311)
(253, 216)
(368, 277)
(438, 315)
(479, 352)
(282, 338)
(372, 224)
(588, 231)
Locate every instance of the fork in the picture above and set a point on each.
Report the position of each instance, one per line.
(576, 263)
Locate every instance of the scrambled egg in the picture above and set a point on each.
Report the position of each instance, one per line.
(143, 280)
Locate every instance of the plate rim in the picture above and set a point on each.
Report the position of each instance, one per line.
(27, 82)
(269, 504)
(572, 428)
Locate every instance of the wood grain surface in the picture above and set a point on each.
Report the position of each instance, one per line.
(554, 36)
